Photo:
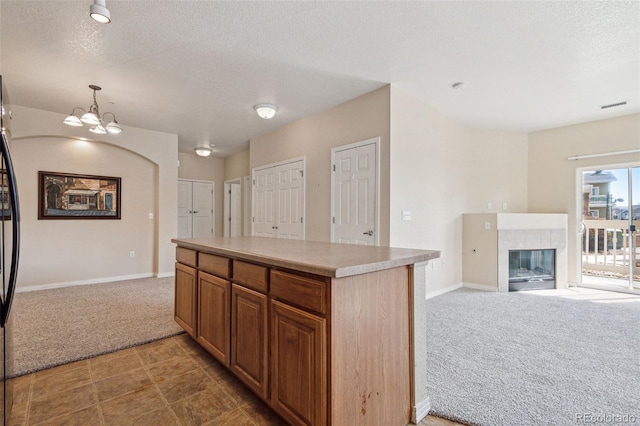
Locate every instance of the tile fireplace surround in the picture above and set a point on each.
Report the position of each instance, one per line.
(489, 237)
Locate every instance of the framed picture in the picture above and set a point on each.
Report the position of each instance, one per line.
(73, 196)
(5, 199)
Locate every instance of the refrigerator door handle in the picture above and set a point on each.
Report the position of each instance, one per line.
(15, 230)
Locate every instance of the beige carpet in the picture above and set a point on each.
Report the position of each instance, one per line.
(57, 326)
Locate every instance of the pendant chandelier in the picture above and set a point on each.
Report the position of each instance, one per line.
(92, 117)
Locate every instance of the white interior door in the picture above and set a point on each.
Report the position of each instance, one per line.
(279, 200)
(355, 193)
(195, 209)
(232, 209)
(185, 216)
(202, 209)
(290, 201)
(264, 204)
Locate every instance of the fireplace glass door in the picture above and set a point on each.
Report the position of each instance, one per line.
(532, 269)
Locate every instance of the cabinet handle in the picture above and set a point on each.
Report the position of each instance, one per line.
(369, 232)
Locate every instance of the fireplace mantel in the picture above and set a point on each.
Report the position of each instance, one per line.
(487, 239)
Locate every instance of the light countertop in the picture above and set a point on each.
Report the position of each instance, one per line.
(321, 258)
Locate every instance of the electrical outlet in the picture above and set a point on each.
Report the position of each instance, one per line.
(489, 206)
(150, 215)
(132, 254)
(504, 206)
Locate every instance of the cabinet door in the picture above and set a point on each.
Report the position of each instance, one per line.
(249, 351)
(298, 365)
(214, 298)
(185, 298)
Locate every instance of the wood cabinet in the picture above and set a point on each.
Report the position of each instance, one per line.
(321, 347)
(298, 365)
(185, 298)
(249, 338)
(213, 331)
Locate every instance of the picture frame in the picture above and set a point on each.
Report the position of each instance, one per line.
(5, 199)
(77, 196)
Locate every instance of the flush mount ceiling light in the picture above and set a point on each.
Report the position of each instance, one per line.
(266, 111)
(92, 117)
(204, 150)
(99, 12)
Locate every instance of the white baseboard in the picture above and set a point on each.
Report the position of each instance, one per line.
(420, 411)
(84, 282)
(166, 274)
(482, 287)
(431, 294)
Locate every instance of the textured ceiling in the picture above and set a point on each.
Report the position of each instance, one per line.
(196, 68)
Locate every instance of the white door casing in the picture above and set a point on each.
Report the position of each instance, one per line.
(355, 189)
(232, 208)
(278, 200)
(195, 209)
(246, 206)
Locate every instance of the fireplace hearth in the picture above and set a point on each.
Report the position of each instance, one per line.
(532, 269)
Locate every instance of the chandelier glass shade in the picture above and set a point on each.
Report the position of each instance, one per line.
(98, 124)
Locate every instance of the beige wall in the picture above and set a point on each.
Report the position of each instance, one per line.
(237, 166)
(193, 167)
(552, 178)
(82, 251)
(362, 118)
(441, 169)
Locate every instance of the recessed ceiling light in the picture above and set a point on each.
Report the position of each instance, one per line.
(458, 85)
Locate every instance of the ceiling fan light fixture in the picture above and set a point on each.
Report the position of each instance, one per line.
(99, 12)
(266, 111)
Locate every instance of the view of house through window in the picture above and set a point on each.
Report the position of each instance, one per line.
(610, 219)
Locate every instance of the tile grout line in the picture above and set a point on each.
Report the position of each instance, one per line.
(155, 385)
(95, 388)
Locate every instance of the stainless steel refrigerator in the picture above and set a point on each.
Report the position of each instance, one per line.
(9, 249)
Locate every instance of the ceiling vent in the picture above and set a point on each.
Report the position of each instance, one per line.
(613, 105)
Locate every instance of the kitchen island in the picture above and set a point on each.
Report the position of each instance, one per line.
(322, 332)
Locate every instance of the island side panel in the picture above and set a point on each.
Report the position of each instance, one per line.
(370, 353)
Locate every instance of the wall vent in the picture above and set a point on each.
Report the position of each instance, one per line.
(613, 105)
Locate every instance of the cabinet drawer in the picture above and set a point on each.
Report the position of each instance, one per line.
(305, 292)
(187, 256)
(250, 275)
(216, 265)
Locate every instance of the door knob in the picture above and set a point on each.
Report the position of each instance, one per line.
(369, 232)
(195, 211)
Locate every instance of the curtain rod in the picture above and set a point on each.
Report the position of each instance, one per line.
(604, 154)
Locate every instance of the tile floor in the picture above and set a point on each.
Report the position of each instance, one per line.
(169, 382)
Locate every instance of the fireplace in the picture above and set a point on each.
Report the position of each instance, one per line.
(532, 269)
